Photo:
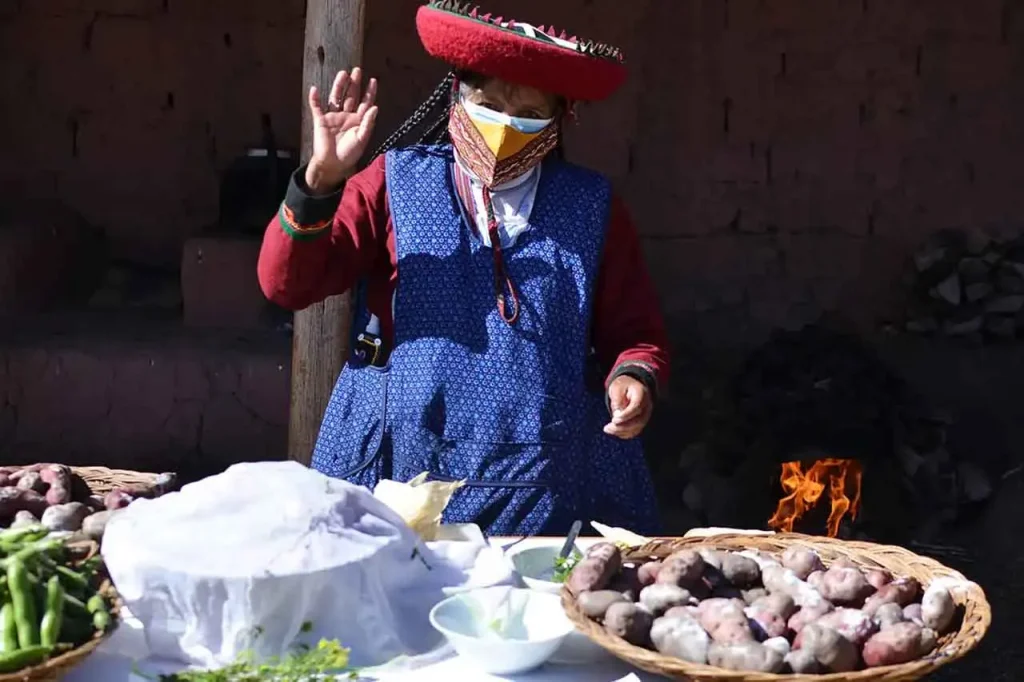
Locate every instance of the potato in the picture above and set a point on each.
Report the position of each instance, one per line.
(902, 591)
(712, 557)
(58, 494)
(929, 640)
(118, 499)
(845, 586)
(900, 643)
(94, 524)
(888, 615)
(725, 620)
(745, 656)
(770, 615)
(56, 474)
(802, 561)
(807, 615)
(593, 604)
(648, 573)
(661, 598)
(65, 516)
(629, 621)
(816, 580)
(33, 481)
(937, 609)
(594, 571)
(740, 571)
(681, 637)
(832, 651)
(779, 579)
(683, 612)
(14, 500)
(751, 596)
(853, 624)
(914, 613)
(780, 644)
(802, 662)
(683, 568)
(5, 479)
(24, 518)
(878, 578)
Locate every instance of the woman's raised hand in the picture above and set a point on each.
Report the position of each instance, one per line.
(341, 131)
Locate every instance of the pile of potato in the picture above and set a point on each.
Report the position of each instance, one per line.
(51, 494)
(748, 611)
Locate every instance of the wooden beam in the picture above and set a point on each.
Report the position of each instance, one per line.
(334, 41)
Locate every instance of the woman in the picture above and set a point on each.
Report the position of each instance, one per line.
(497, 277)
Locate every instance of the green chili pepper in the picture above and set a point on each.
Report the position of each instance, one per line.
(23, 658)
(49, 628)
(15, 535)
(8, 629)
(24, 604)
(98, 608)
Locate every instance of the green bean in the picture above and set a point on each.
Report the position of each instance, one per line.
(49, 628)
(15, 535)
(23, 658)
(8, 629)
(24, 604)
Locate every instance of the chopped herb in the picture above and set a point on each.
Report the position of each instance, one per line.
(564, 566)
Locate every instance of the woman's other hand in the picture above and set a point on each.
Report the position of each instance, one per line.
(631, 407)
(341, 131)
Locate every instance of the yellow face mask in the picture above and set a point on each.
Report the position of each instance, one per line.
(495, 153)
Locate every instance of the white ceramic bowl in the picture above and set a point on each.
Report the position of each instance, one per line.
(502, 630)
(536, 566)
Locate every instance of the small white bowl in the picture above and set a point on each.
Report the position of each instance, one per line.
(536, 566)
(502, 630)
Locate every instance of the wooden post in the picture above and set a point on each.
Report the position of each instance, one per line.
(334, 41)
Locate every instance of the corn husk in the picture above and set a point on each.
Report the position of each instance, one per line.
(419, 502)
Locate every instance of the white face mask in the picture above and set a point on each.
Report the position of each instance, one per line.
(524, 125)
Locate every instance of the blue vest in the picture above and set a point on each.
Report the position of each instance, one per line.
(508, 408)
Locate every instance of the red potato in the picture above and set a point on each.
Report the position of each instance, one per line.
(808, 615)
(65, 516)
(845, 586)
(740, 571)
(18, 472)
(14, 500)
(780, 644)
(725, 620)
(751, 596)
(914, 613)
(770, 615)
(745, 656)
(832, 651)
(648, 573)
(660, 598)
(56, 474)
(901, 643)
(118, 499)
(33, 481)
(777, 578)
(902, 591)
(853, 624)
(816, 580)
(594, 572)
(57, 494)
(683, 568)
(24, 518)
(802, 561)
(878, 578)
(683, 612)
(888, 615)
(802, 662)
(627, 581)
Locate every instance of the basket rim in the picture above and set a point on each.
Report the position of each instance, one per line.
(970, 598)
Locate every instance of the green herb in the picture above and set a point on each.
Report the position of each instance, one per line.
(564, 566)
(326, 661)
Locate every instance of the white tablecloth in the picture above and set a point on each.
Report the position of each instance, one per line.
(126, 651)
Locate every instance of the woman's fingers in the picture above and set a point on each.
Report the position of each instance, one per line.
(365, 131)
(341, 83)
(354, 93)
(314, 103)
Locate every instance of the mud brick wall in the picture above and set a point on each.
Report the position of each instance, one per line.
(780, 156)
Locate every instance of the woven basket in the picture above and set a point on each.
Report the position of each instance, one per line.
(57, 667)
(974, 608)
(102, 480)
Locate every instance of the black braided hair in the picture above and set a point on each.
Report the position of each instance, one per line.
(435, 109)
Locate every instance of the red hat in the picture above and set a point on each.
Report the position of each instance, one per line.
(519, 53)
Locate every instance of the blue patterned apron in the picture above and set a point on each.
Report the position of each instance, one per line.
(466, 396)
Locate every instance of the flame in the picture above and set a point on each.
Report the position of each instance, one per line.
(804, 489)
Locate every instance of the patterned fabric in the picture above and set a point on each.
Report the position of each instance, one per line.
(467, 396)
(483, 163)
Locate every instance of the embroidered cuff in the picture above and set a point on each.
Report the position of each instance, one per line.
(640, 371)
(303, 215)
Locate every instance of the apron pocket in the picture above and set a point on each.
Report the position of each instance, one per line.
(351, 444)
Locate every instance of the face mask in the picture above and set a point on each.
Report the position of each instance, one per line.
(496, 147)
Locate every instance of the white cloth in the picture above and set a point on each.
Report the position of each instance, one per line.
(512, 202)
(275, 545)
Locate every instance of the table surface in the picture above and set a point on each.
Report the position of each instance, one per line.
(116, 659)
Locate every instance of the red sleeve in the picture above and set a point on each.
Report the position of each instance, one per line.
(320, 246)
(629, 331)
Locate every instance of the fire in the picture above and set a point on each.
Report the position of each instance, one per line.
(804, 489)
